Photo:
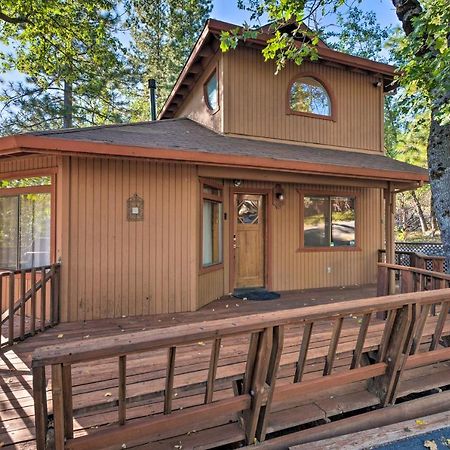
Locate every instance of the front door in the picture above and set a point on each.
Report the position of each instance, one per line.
(249, 240)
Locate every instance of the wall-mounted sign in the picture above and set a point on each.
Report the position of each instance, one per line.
(135, 208)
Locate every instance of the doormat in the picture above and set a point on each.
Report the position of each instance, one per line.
(256, 294)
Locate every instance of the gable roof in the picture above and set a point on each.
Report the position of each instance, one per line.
(185, 140)
(208, 44)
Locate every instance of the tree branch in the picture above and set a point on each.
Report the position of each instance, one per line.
(14, 20)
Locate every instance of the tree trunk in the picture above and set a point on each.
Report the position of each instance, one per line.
(68, 105)
(439, 167)
(439, 141)
(423, 222)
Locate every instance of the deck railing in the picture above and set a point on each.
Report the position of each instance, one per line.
(29, 300)
(409, 338)
(404, 279)
(416, 259)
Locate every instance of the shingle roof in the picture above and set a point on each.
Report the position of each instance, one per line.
(187, 135)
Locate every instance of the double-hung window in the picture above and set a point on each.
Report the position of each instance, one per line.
(212, 225)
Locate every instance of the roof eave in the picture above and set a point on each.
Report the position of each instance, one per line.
(40, 144)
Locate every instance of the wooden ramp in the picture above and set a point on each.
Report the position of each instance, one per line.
(195, 383)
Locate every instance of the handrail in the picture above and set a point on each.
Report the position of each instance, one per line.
(402, 335)
(31, 297)
(107, 347)
(418, 270)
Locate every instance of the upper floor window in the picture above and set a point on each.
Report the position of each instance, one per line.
(307, 95)
(212, 92)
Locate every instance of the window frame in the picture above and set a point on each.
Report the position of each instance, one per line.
(341, 248)
(211, 110)
(217, 199)
(43, 189)
(290, 111)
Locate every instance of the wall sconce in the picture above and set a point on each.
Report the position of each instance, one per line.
(135, 208)
(237, 183)
(278, 196)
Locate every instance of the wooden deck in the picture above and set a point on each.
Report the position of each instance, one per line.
(96, 392)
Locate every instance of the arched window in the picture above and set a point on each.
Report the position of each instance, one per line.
(211, 93)
(308, 95)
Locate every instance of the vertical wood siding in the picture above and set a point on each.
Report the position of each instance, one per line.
(306, 270)
(27, 163)
(210, 287)
(256, 103)
(113, 267)
(195, 107)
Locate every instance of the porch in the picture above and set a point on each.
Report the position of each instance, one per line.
(329, 350)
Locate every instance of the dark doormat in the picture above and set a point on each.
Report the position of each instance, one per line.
(255, 294)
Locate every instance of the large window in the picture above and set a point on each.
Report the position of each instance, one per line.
(212, 225)
(329, 221)
(25, 223)
(307, 95)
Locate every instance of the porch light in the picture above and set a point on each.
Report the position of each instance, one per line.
(278, 196)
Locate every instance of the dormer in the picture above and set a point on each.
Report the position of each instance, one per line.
(335, 102)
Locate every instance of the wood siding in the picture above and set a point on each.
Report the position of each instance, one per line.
(113, 267)
(195, 107)
(255, 103)
(210, 287)
(291, 269)
(27, 163)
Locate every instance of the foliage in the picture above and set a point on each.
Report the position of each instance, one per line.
(425, 54)
(163, 33)
(60, 44)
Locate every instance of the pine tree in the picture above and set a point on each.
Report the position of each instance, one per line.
(68, 61)
(163, 34)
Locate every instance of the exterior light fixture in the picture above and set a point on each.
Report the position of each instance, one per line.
(278, 196)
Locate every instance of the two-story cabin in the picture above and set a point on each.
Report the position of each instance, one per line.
(249, 179)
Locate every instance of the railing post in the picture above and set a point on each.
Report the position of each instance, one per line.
(260, 377)
(382, 281)
(40, 406)
(55, 274)
(397, 348)
(12, 280)
(22, 303)
(62, 404)
(406, 282)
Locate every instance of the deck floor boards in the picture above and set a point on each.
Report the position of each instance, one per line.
(96, 384)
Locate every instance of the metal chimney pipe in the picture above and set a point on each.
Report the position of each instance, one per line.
(152, 91)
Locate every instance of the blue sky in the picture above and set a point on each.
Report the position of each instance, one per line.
(228, 11)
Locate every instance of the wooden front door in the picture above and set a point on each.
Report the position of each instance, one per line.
(249, 240)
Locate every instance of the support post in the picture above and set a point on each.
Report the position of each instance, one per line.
(40, 406)
(389, 221)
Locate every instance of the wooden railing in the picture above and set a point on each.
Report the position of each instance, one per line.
(415, 259)
(30, 301)
(404, 279)
(255, 392)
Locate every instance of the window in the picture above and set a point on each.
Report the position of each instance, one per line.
(25, 222)
(307, 95)
(212, 92)
(212, 226)
(329, 221)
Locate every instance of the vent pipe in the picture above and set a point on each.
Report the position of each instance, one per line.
(152, 91)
